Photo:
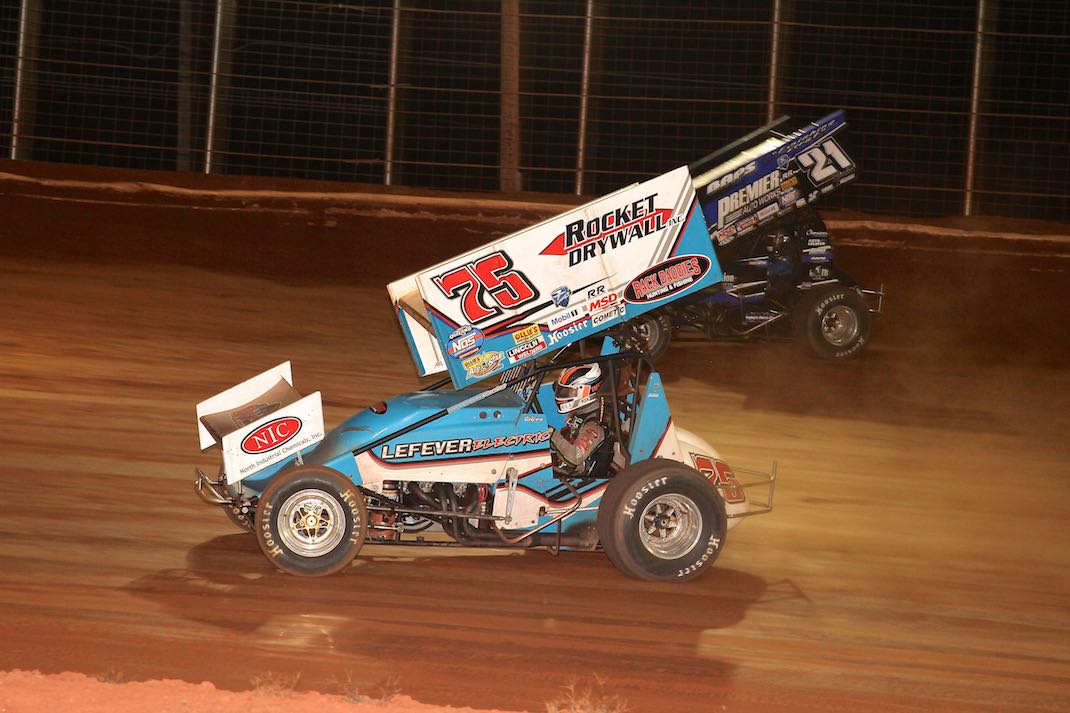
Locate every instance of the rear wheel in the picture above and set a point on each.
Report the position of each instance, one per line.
(235, 515)
(654, 331)
(311, 521)
(832, 322)
(661, 520)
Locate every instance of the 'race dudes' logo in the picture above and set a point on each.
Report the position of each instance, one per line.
(584, 239)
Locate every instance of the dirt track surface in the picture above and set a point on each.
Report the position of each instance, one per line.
(917, 560)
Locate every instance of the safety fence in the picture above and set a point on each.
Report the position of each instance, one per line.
(955, 107)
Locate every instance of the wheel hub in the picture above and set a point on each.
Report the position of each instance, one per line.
(839, 326)
(670, 526)
(311, 523)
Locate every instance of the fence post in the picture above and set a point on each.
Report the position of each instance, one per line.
(392, 96)
(25, 99)
(774, 64)
(510, 98)
(222, 46)
(585, 87)
(975, 106)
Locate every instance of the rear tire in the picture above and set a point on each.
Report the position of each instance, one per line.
(661, 521)
(832, 322)
(654, 332)
(311, 521)
(237, 517)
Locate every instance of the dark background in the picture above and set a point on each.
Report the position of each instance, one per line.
(303, 91)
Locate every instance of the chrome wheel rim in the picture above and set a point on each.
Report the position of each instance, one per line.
(839, 325)
(311, 523)
(671, 526)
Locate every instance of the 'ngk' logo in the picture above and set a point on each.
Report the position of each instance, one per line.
(271, 435)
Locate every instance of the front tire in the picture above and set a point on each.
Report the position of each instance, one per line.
(832, 322)
(311, 521)
(661, 521)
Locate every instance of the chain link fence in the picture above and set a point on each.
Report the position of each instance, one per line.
(955, 107)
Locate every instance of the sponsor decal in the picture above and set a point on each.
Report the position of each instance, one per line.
(526, 350)
(458, 446)
(605, 316)
(596, 291)
(807, 136)
(482, 364)
(730, 178)
(271, 435)
(720, 474)
(560, 296)
(526, 334)
(725, 236)
(600, 304)
(667, 278)
(759, 316)
(766, 211)
(788, 197)
(562, 318)
(464, 341)
(790, 182)
(819, 273)
(585, 238)
(568, 331)
(747, 197)
(818, 254)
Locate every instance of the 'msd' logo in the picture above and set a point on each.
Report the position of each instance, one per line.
(271, 435)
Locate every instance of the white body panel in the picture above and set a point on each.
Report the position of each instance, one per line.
(251, 446)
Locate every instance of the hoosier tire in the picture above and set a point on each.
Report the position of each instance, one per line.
(311, 521)
(661, 521)
(654, 333)
(235, 516)
(832, 322)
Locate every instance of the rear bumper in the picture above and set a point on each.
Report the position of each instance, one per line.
(210, 491)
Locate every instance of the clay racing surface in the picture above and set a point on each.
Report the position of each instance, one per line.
(917, 559)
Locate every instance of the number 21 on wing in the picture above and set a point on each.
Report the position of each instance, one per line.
(486, 286)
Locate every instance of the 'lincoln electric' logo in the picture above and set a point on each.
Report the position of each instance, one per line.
(584, 239)
(271, 435)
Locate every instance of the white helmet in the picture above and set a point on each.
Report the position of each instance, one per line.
(577, 387)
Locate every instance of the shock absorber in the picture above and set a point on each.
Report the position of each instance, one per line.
(383, 524)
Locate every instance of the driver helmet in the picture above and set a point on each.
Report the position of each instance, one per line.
(577, 387)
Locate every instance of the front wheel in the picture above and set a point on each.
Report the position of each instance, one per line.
(311, 521)
(661, 521)
(832, 323)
